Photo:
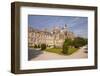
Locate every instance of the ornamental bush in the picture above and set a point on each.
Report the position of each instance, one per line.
(65, 47)
(43, 46)
(35, 46)
(38, 46)
(79, 42)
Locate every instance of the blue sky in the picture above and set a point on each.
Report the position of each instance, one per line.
(78, 25)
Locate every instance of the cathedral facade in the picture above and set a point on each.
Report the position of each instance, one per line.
(52, 38)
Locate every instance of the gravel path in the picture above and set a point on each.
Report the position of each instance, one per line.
(48, 55)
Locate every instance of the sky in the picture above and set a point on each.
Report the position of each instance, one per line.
(77, 25)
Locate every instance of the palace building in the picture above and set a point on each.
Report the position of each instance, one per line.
(52, 38)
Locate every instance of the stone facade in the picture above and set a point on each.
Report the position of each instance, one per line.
(52, 38)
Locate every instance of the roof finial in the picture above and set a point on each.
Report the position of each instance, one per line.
(65, 25)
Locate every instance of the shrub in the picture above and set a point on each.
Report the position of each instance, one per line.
(35, 46)
(38, 46)
(31, 46)
(65, 47)
(43, 46)
(69, 42)
(79, 42)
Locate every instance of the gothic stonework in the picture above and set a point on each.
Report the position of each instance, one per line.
(55, 37)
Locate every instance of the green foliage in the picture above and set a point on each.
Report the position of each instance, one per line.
(35, 46)
(71, 50)
(73, 44)
(43, 46)
(65, 46)
(54, 50)
(60, 52)
(68, 42)
(38, 46)
(79, 42)
(31, 46)
(65, 49)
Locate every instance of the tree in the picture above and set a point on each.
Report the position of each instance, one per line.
(35, 46)
(43, 46)
(79, 42)
(66, 44)
(38, 46)
(69, 42)
(65, 48)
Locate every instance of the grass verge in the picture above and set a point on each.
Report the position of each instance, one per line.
(59, 50)
(72, 50)
(55, 50)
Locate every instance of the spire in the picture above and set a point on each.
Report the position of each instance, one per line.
(65, 28)
(65, 25)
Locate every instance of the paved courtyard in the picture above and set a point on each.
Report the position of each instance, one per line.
(44, 55)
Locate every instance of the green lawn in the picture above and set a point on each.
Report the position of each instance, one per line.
(54, 50)
(59, 50)
(72, 50)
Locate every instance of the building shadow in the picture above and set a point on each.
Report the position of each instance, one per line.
(32, 53)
